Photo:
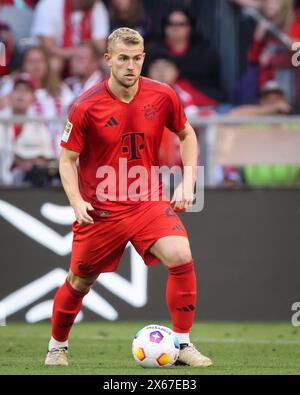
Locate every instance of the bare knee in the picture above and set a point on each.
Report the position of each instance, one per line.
(178, 256)
(82, 284)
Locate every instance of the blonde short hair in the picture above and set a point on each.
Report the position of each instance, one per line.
(125, 35)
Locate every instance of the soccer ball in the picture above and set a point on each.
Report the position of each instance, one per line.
(155, 346)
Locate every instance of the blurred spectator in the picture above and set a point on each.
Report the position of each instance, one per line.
(53, 97)
(271, 46)
(272, 102)
(197, 61)
(18, 16)
(61, 24)
(85, 68)
(129, 13)
(22, 146)
(165, 69)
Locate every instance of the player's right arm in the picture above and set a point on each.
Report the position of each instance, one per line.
(72, 143)
(69, 179)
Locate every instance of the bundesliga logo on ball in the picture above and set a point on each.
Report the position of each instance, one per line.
(155, 346)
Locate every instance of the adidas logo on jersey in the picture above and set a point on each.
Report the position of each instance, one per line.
(111, 122)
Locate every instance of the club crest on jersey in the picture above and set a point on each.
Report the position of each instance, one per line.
(149, 111)
(67, 132)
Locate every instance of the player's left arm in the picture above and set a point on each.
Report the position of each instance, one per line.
(184, 193)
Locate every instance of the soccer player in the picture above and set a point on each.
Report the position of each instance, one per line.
(115, 129)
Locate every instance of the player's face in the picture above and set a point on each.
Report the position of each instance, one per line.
(126, 62)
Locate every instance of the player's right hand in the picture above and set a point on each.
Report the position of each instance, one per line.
(81, 213)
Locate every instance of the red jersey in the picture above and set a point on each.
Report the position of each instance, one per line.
(119, 142)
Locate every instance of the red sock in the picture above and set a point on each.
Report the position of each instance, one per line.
(67, 304)
(181, 296)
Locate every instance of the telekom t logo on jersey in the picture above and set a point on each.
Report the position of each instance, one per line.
(132, 144)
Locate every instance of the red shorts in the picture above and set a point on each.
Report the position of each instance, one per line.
(98, 248)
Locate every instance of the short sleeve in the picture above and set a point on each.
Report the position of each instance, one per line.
(74, 134)
(176, 118)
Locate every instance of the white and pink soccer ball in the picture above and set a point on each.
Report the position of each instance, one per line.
(155, 346)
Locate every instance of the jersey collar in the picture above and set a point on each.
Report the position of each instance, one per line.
(115, 97)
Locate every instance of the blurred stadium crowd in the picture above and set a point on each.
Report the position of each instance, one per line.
(53, 53)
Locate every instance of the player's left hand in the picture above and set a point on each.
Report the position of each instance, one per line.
(182, 198)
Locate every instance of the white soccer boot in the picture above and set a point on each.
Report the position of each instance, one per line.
(192, 357)
(57, 356)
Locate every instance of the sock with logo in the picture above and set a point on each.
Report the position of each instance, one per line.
(183, 338)
(181, 295)
(66, 306)
(54, 344)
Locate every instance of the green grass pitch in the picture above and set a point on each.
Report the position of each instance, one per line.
(105, 348)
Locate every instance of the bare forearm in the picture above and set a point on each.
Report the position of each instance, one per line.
(69, 178)
(189, 155)
(184, 193)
